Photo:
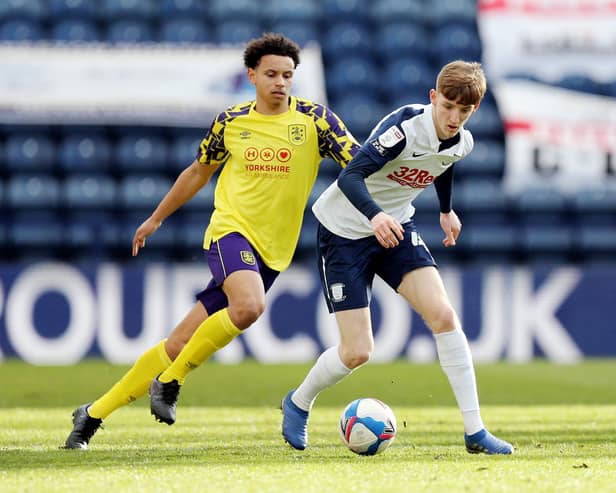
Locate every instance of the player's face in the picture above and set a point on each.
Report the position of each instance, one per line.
(448, 115)
(273, 78)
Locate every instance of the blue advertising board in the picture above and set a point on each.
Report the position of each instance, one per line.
(59, 313)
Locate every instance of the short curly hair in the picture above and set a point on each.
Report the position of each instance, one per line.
(270, 44)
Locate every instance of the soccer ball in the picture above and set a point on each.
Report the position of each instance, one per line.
(367, 426)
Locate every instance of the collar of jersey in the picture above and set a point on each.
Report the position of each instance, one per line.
(292, 107)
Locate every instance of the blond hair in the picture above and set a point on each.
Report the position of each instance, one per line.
(463, 82)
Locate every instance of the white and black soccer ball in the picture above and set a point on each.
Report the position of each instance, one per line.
(367, 426)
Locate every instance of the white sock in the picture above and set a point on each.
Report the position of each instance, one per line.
(457, 363)
(328, 370)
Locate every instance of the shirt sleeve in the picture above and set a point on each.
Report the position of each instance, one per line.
(335, 140)
(351, 183)
(444, 188)
(212, 149)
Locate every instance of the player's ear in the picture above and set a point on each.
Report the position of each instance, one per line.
(252, 75)
(476, 107)
(433, 95)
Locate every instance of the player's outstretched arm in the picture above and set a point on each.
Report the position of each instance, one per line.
(190, 181)
(451, 225)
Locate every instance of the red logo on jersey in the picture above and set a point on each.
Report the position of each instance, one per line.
(251, 153)
(283, 155)
(411, 177)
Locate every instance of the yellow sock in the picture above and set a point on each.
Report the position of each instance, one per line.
(213, 334)
(134, 384)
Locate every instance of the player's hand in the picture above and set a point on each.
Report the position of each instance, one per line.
(146, 229)
(388, 230)
(451, 226)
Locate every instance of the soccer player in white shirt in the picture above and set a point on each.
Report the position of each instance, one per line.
(366, 229)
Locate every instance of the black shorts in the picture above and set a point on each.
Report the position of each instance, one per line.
(347, 267)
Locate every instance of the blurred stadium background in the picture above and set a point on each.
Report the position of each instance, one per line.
(535, 269)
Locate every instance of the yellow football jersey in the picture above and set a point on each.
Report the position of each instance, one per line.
(270, 165)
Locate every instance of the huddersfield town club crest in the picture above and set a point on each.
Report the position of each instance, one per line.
(297, 134)
(248, 257)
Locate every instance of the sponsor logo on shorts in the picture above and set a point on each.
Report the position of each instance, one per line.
(248, 257)
(337, 291)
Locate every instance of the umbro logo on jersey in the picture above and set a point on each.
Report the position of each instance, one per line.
(419, 154)
(245, 135)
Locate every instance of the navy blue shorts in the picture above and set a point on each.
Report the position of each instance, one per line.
(347, 267)
(229, 254)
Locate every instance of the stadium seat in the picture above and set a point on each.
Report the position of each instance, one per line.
(184, 31)
(489, 243)
(426, 203)
(89, 191)
(595, 242)
(456, 41)
(83, 234)
(141, 153)
(454, 11)
(343, 39)
(129, 31)
(541, 205)
(386, 11)
(237, 32)
(75, 30)
(203, 200)
(142, 192)
(487, 160)
(486, 122)
(540, 242)
(21, 30)
(23, 9)
(183, 150)
(72, 9)
(300, 32)
(224, 10)
(184, 8)
(42, 231)
(595, 205)
(359, 112)
(407, 77)
(129, 9)
(404, 39)
(84, 152)
(30, 152)
(352, 74)
(32, 191)
(354, 11)
(291, 10)
(189, 236)
(481, 201)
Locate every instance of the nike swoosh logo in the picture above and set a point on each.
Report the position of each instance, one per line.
(418, 154)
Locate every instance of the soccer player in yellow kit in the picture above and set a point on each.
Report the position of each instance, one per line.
(269, 150)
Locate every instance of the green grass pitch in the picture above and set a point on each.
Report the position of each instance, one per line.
(561, 420)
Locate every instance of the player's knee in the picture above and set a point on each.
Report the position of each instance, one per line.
(173, 346)
(244, 314)
(444, 320)
(356, 356)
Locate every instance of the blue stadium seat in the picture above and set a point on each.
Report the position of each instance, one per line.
(183, 8)
(141, 153)
(23, 9)
(89, 191)
(32, 191)
(454, 11)
(426, 203)
(595, 205)
(184, 31)
(129, 31)
(291, 10)
(73, 9)
(541, 243)
(203, 200)
(354, 11)
(129, 9)
(85, 230)
(142, 192)
(237, 32)
(41, 231)
(456, 41)
(541, 205)
(224, 10)
(30, 152)
(386, 11)
(344, 38)
(183, 150)
(300, 32)
(189, 238)
(21, 30)
(359, 112)
(407, 77)
(84, 152)
(596, 242)
(75, 30)
(486, 122)
(489, 243)
(487, 160)
(403, 39)
(352, 74)
(481, 201)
